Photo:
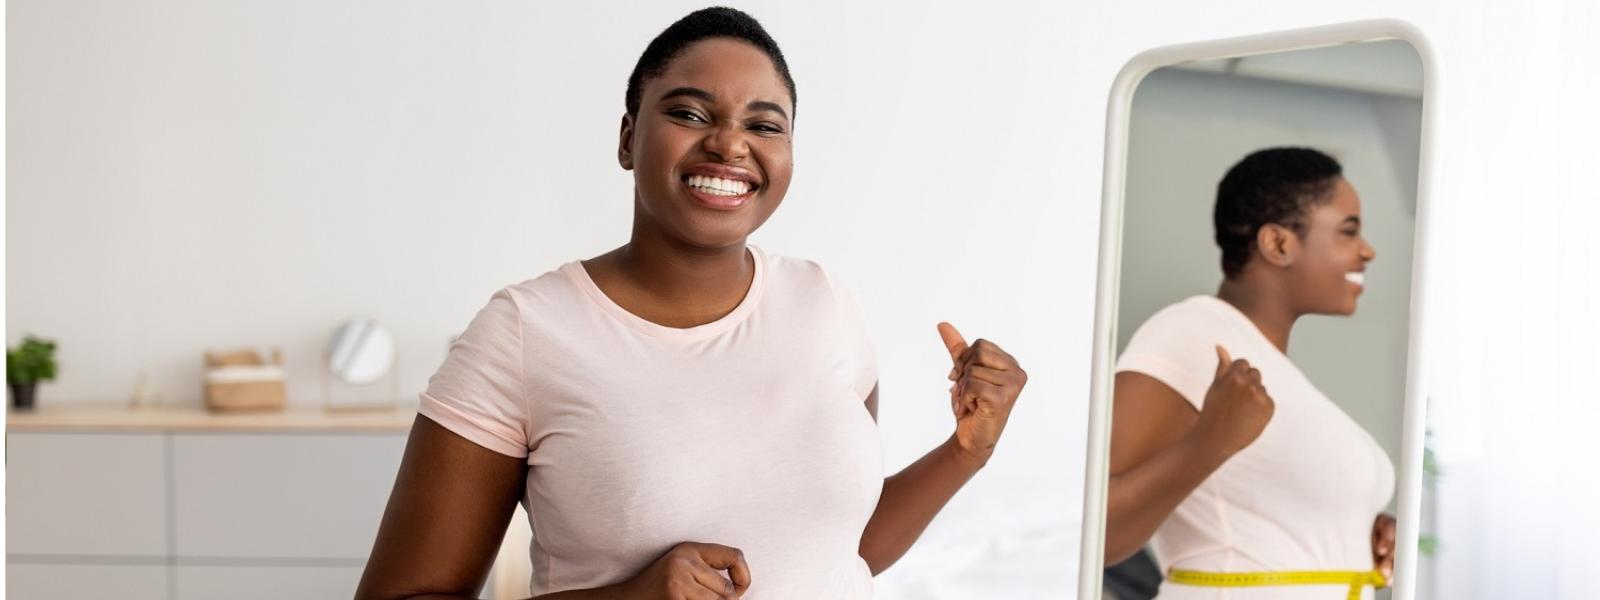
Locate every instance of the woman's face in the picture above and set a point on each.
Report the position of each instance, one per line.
(1329, 275)
(711, 148)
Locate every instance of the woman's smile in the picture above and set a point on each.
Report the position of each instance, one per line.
(720, 187)
(1358, 279)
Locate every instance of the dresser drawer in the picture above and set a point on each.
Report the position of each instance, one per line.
(282, 495)
(265, 582)
(74, 582)
(100, 494)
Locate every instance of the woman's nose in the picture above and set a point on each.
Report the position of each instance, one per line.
(727, 143)
(1368, 252)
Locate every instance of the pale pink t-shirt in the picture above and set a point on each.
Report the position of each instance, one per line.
(749, 431)
(1303, 496)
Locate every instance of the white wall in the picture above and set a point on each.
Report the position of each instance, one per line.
(1187, 128)
(404, 159)
(194, 174)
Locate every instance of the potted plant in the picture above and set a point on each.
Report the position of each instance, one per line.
(27, 365)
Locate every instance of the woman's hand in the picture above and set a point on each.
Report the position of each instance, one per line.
(987, 383)
(1383, 545)
(692, 571)
(1237, 407)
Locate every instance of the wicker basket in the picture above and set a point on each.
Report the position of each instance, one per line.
(241, 381)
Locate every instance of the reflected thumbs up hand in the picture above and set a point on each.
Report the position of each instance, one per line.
(1237, 407)
(987, 383)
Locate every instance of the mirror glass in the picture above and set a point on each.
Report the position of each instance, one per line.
(360, 352)
(1261, 325)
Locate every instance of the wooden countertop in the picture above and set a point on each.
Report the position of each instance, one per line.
(162, 418)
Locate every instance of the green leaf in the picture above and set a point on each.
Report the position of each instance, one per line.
(1428, 544)
(31, 362)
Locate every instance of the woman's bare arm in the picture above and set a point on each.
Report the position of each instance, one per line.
(448, 514)
(1153, 466)
(912, 497)
(988, 382)
(446, 517)
(1162, 448)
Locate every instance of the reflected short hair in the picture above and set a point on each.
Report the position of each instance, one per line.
(706, 23)
(1271, 186)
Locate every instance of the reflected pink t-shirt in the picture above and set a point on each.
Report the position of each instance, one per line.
(749, 431)
(1302, 497)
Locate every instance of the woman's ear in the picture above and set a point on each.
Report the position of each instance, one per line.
(625, 143)
(1279, 246)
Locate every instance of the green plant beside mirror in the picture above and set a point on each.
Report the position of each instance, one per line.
(27, 365)
(1428, 543)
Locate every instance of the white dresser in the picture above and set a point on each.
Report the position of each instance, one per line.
(179, 504)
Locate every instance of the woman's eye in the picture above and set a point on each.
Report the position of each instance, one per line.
(765, 128)
(687, 115)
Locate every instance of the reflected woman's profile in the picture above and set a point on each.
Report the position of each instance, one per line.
(1225, 458)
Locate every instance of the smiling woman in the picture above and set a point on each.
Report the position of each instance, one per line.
(1194, 470)
(685, 416)
(706, 128)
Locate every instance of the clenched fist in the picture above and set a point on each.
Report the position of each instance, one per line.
(987, 383)
(692, 571)
(1237, 407)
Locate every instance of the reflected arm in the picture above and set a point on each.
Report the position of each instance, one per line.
(1155, 462)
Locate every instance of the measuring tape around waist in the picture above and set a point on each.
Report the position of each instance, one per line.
(1355, 579)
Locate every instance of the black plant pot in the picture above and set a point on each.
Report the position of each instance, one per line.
(22, 395)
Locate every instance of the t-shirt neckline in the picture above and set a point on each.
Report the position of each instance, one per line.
(580, 277)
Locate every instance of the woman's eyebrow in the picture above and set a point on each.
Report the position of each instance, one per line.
(767, 105)
(692, 92)
(1352, 219)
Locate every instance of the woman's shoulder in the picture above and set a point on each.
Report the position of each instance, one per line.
(804, 279)
(559, 286)
(1189, 328)
(1199, 311)
(785, 266)
(1177, 346)
(792, 272)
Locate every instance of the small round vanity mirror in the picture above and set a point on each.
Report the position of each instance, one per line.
(361, 352)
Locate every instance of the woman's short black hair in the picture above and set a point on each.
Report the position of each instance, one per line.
(1275, 185)
(714, 22)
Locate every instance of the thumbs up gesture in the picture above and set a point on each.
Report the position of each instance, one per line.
(987, 383)
(1237, 407)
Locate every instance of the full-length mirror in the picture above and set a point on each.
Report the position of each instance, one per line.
(1261, 325)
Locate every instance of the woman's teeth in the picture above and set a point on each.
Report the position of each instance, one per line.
(719, 187)
(1356, 278)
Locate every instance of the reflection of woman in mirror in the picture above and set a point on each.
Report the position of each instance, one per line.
(1215, 473)
(684, 416)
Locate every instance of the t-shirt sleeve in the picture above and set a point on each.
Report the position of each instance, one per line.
(478, 392)
(856, 338)
(1177, 348)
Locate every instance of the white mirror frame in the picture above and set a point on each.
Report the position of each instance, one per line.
(1109, 279)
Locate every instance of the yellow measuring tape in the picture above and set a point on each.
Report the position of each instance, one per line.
(1355, 579)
